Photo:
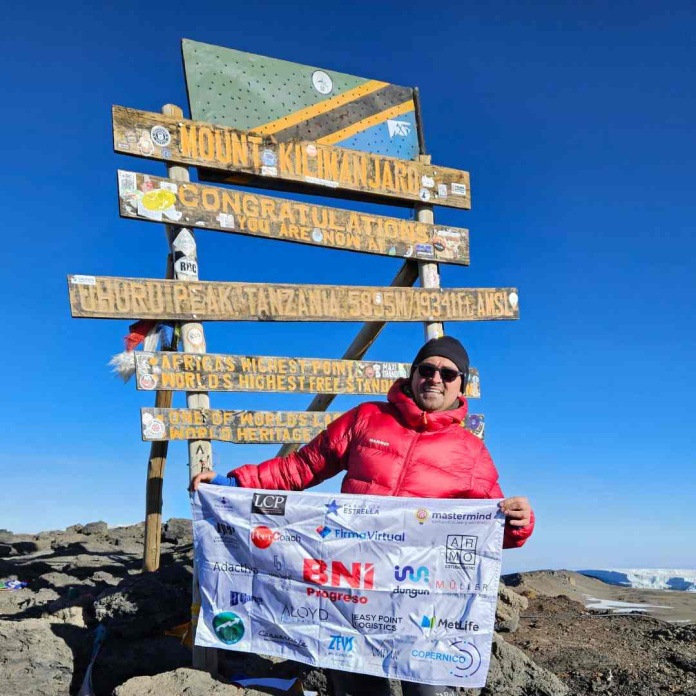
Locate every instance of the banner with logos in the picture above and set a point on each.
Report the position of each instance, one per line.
(404, 588)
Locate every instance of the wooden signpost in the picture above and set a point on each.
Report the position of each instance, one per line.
(265, 373)
(127, 298)
(247, 427)
(289, 145)
(154, 199)
(262, 161)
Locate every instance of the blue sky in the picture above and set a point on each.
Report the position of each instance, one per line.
(577, 125)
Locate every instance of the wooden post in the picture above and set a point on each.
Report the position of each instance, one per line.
(405, 278)
(155, 479)
(185, 262)
(429, 272)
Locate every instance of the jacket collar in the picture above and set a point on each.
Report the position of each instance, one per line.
(415, 417)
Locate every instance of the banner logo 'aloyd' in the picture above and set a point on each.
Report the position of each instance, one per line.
(360, 575)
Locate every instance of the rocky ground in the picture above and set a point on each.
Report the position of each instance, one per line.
(89, 576)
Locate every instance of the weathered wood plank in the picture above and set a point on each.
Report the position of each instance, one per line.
(169, 371)
(155, 199)
(247, 427)
(242, 427)
(320, 168)
(146, 298)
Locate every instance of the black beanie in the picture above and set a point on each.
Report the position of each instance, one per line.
(445, 347)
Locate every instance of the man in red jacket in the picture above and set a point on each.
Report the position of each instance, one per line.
(413, 445)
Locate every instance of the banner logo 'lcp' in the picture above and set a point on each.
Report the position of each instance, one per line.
(268, 504)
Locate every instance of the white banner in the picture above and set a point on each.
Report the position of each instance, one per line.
(404, 588)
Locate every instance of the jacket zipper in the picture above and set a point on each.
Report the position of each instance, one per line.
(407, 459)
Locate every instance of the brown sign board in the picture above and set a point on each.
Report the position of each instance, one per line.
(264, 162)
(145, 298)
(155, 199)
(242, 427)
(246, 427)
(265, 373)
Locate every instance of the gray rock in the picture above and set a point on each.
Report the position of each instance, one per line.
(34, 656)
(512, 673)
(102, 577)
(95, 528)
(58, 581)
(507, 612)
(75, 529)
(178, 531)
(128, 539)
(180, 682)
(31, 545)
(147, 603)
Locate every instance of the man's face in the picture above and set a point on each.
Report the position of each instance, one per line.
(431, 393)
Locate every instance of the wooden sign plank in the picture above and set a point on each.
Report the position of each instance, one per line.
(320, 168)
(299, 102)
(155, 199)
(242, 427)
(247, 427)
(145, 298)
(265, 373)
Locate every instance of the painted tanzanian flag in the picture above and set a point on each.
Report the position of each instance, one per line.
(299, 102)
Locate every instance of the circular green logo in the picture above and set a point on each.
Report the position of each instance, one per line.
(228, 627)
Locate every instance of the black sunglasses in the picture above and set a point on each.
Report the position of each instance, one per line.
(447, 374)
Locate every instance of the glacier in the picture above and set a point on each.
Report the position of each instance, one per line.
(647, 578)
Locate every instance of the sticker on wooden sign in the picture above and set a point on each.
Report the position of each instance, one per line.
(269, 159)
(427, 181)
(195, 337)
(147, 381)
(458, 189)
(155, 429)
(127, 183)
(424, 194)
(442, 190)
(269, 171)
(83, 280)
(425, 250)
(321, 182)
(513, 299)
(399, 129)
(145, 144)
(322, 82)
(225, 220)
(186, 267)
(160, 136)
(184, 242)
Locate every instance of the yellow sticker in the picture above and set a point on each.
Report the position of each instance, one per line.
(158, 199)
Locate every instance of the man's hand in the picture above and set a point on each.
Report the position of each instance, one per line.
(203, 477)
(517, 511)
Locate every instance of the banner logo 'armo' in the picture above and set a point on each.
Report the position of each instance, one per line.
(318, 572)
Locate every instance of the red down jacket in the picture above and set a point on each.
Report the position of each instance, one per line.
(392, 449)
